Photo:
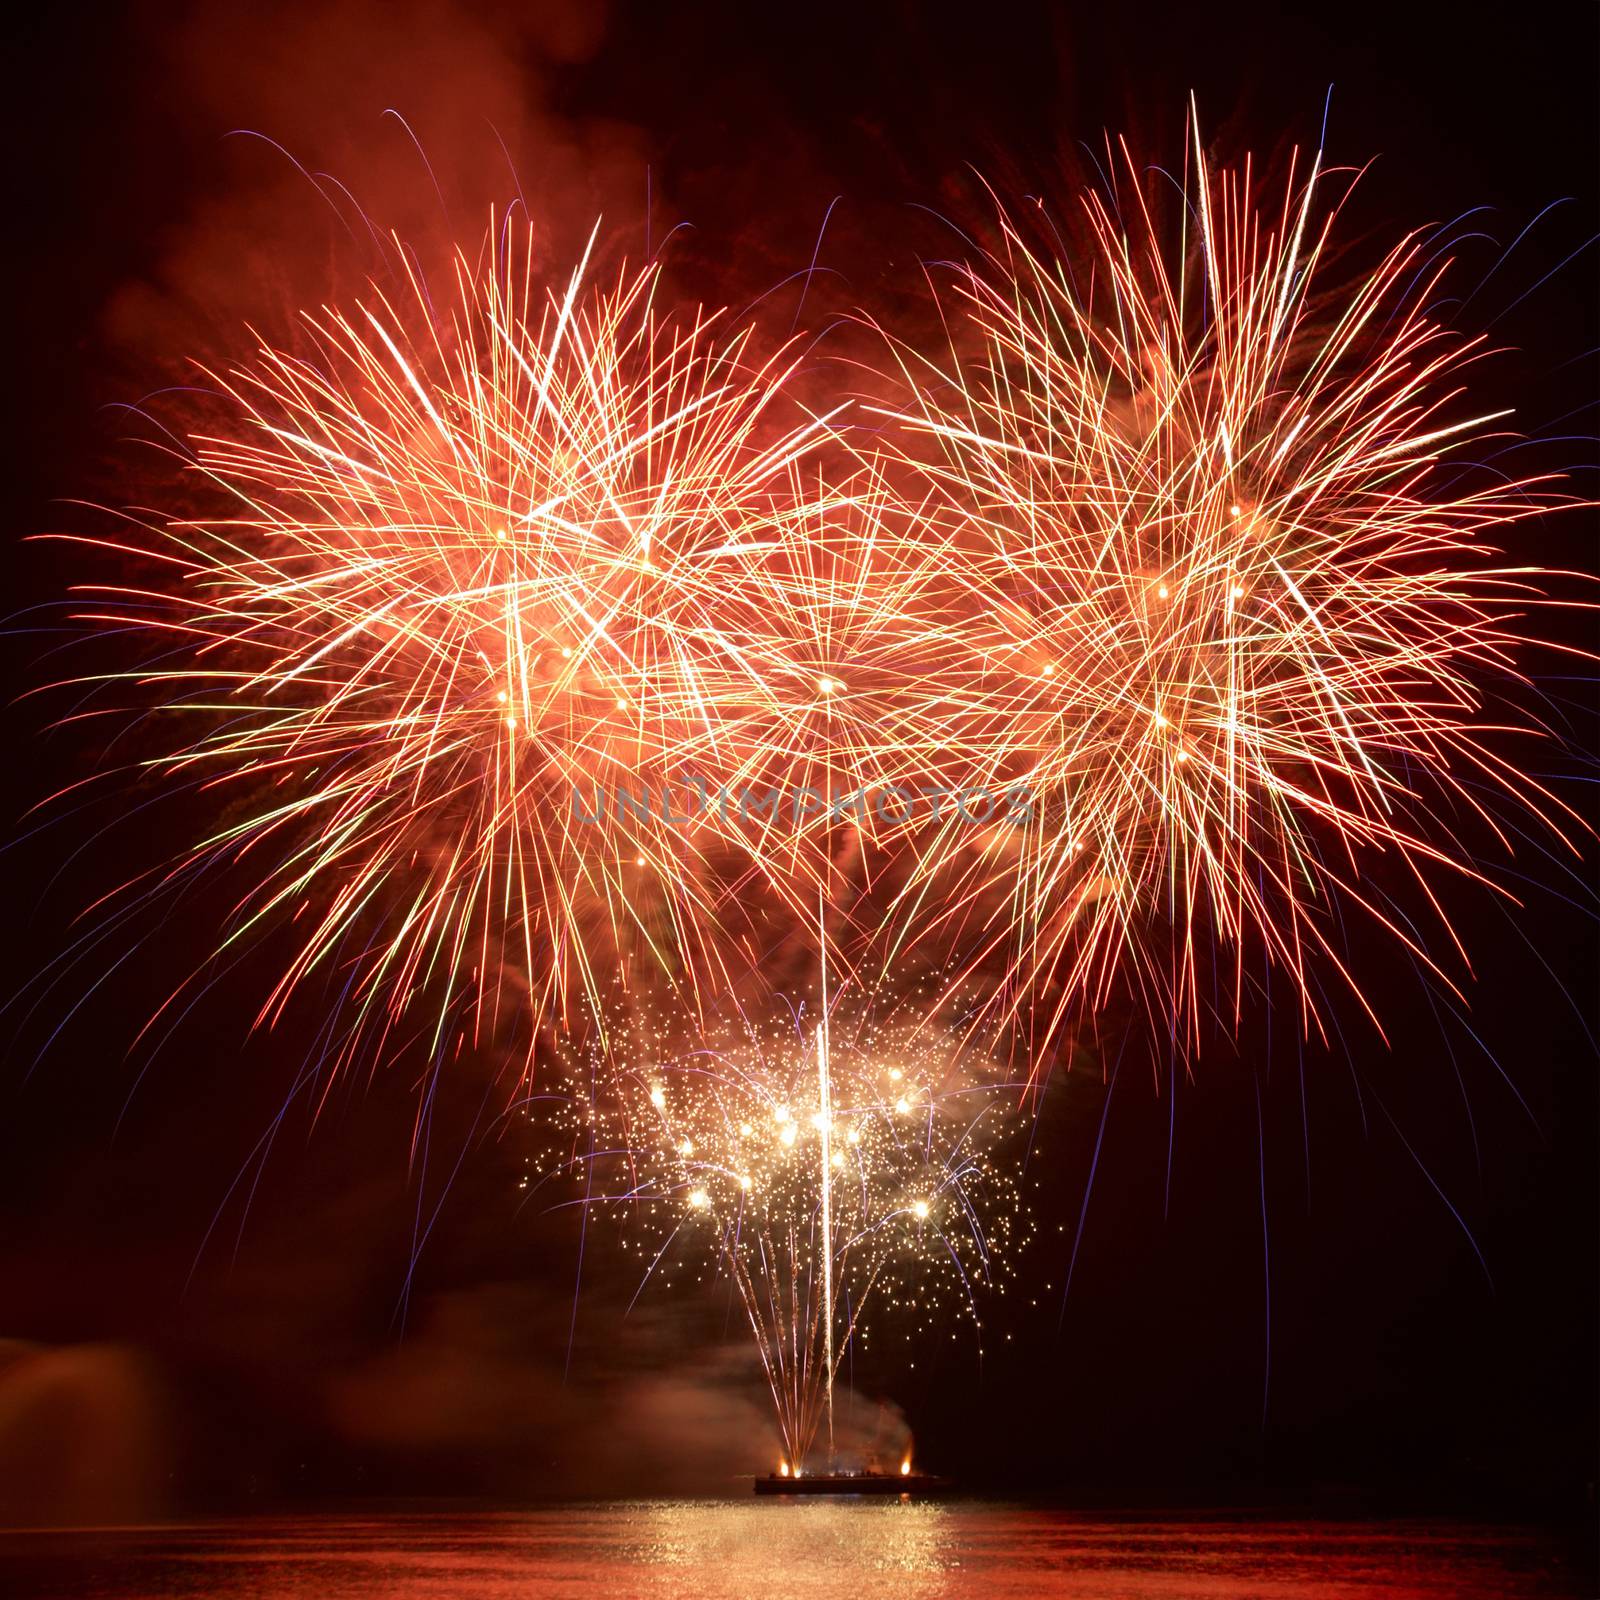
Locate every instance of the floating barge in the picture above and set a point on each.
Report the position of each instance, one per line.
(853, 1483)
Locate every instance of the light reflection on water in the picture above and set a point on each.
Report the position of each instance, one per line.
(839, 1550)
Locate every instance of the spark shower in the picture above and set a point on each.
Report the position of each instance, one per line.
(1177, 531)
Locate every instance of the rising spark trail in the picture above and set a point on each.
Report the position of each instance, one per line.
(837, 1179)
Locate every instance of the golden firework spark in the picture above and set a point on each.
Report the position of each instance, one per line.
(834, 1178)
(464, 579)
(1218, 596)
(546, 635)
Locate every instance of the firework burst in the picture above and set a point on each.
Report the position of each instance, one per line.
(462, 574)
(494, 616)
(1224, 601)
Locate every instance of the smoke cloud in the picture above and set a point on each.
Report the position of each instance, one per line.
(319, 133)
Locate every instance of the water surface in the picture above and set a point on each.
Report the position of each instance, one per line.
(833, 1550)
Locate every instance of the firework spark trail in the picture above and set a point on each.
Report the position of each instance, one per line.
(714, 1162)
(1179, 555)
(1176, 554)
(458, 574)
(1216, 602)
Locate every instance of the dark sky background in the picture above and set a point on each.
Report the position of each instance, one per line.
(150, 1364)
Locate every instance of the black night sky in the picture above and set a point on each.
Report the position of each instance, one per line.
(290, 1353)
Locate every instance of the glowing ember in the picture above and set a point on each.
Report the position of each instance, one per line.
(920, 1219)
(1211, 495)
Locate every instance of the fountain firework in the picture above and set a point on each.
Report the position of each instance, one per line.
(836, 1177)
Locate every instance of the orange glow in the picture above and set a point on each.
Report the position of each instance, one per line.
(1279, 436)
